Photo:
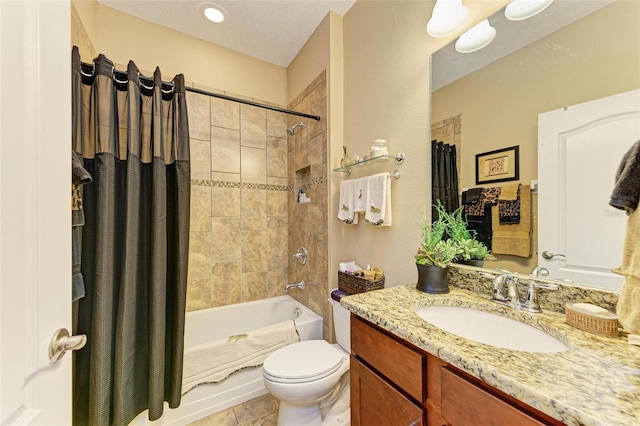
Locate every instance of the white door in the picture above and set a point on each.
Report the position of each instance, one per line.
(579, 150)
(35, 217)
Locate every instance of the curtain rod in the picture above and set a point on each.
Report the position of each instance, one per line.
(256, 104)
(216, 95)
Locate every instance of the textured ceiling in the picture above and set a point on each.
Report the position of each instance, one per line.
(271, 30)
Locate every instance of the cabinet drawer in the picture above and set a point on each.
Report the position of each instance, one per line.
(399, 363)
(464, 403)
(375, 402)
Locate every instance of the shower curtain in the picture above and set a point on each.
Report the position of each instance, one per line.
(444, 177)
(134, 141)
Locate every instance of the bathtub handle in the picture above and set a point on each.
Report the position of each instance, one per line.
(301, 255)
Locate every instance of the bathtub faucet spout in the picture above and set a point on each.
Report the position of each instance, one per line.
(301, 285)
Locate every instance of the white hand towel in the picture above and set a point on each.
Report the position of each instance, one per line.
(361, 192)
(346, 208)
(378, 211)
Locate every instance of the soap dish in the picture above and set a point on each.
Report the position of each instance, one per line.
(591, 318)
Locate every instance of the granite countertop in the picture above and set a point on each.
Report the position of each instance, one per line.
(595, 382)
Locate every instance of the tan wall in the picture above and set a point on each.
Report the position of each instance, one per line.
(509, 94)
(122, 37)
(86, 11)
(386, 95)
(79, 34)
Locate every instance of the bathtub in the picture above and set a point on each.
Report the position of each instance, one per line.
(216, 323)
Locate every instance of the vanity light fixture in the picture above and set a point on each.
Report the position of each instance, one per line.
(212, 12)
(447, 17)
(476, 38)
(519, 10)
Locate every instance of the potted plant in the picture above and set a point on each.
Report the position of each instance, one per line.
(433, 255)
(470, 251)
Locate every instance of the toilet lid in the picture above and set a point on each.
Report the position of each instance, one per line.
(303, 362)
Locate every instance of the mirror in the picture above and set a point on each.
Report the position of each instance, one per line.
(490, 99)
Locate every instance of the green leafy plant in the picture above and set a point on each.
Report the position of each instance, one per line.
(433, 250)
(472, 250)
(468, 247)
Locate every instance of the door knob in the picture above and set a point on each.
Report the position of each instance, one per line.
(61, 342)
(550, 255)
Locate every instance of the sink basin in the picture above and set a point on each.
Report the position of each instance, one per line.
(490, 329)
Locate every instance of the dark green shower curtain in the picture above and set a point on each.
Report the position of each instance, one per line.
(135, 144)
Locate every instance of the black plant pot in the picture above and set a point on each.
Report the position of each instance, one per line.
(432, 279)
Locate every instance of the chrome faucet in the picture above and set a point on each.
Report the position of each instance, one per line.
(513, 293)
(500, 288)
(299, 285)
(539, 271)
(505, 290)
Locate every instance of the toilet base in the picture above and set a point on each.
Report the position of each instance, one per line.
(336, 414)
(339, 413)
(296, 415)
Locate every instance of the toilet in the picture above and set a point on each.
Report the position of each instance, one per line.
(311, 378)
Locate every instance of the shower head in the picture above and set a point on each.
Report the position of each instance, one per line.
(291, 130)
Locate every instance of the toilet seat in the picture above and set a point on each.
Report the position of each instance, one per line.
(303, 362)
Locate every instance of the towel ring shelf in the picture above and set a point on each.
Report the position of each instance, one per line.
(398, 158)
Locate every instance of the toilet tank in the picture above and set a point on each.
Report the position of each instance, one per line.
(341, 325)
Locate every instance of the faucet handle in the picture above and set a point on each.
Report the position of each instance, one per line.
(546, 286)
(301, 256)
(531, 303)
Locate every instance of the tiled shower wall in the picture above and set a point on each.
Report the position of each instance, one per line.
(308, 223)
(239, 218)
(245, 220)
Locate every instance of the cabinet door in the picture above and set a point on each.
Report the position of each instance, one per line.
(375, 402)
(403, 366)
(464, 403)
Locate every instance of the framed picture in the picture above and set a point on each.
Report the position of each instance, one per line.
(501, 165)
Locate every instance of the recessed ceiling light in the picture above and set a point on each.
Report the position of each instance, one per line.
(519, 10)
(447, 17)
(476, 38)
(212, 12)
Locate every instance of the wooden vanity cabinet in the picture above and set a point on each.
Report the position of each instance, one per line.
(387, 378)
(395, 383)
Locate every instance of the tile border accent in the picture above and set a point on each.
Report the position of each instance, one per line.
(314, 182)
(243, 185)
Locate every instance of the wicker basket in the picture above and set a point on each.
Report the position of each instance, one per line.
(351, 284)
(592, 323)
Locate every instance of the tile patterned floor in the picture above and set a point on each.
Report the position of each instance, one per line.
(260, 411)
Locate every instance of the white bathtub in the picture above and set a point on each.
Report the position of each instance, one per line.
(215, 323)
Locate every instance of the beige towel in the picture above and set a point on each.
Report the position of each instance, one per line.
(631, 249)
(628, 307)
(214, 362)
(514, 239)
(509, 191)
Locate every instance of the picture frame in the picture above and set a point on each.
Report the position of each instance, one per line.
(501, 165)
